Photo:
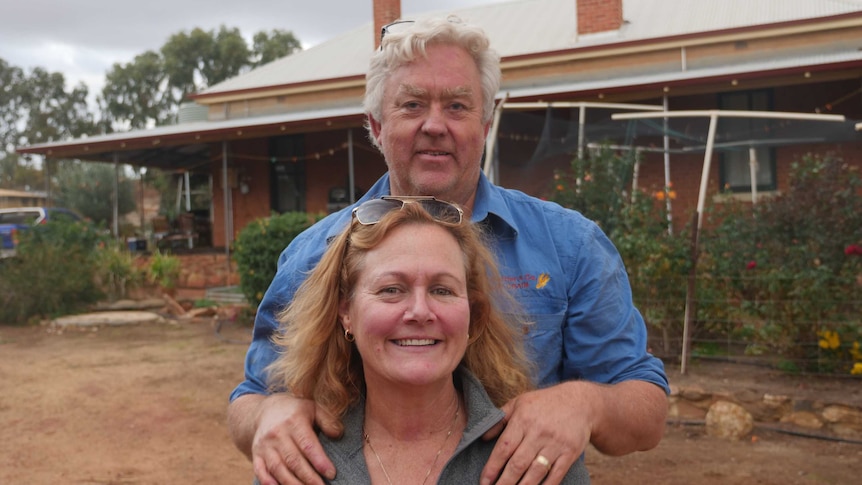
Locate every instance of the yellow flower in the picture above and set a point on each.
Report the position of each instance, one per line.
(829, 339)
(857, 369)
(855, 351)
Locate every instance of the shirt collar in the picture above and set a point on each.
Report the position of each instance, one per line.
(490, 207)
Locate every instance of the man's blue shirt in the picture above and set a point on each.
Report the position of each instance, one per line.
(560, 266)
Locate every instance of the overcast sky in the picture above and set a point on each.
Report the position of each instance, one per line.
(83, 38)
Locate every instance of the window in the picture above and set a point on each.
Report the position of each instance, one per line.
(735, 163)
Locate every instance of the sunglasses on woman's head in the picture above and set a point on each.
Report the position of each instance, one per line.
(370, 212)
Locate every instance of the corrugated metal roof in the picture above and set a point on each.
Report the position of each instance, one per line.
(604, 84)
(535, 26)
(202, 127)
(658, 18)
(811, 61)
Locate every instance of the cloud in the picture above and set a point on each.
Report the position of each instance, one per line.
(84, 38)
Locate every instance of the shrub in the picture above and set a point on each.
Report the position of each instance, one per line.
(116, 271)
(599, 187)
(53, 273)
(789, 263)
(85, 187)
(258, 246)
(164, 270)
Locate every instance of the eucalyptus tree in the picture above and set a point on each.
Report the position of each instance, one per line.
(149, 90)
(52, 112)
(11, 80)
(135, 94)
(37, 107)
(269, 46)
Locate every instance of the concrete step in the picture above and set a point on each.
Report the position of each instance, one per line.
(225, 294)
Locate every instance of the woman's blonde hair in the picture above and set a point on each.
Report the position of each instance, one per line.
(317, 362)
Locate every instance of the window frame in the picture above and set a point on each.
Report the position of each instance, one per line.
(756, 100)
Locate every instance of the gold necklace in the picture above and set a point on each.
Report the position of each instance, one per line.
(428, 473)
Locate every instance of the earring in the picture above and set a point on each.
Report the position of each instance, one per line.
(348, 336)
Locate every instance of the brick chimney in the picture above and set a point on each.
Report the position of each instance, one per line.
(385, 12)
(595, 15)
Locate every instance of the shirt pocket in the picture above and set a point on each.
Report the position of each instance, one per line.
(544, 319)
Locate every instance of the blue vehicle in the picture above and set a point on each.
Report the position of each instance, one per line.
(16, 219)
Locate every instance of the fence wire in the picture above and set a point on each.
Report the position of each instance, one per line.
(814, 336)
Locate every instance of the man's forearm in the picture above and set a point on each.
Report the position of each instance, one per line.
(241, 417)
(627, 417)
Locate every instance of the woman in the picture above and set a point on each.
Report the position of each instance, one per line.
(399, 332)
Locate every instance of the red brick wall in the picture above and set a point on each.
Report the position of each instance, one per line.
(246, 164)
(332, 170)
(599, 15)
(385, 12)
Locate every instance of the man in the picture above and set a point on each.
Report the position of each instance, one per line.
(429, 101)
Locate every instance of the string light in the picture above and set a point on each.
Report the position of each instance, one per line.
(831, 106)
(329, 152)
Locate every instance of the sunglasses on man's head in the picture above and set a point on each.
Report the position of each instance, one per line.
(395, 27)
(403, 25)
(370, 212)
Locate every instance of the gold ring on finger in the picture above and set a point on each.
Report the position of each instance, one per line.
(543, 460)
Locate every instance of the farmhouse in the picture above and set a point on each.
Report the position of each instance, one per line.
(289, 135)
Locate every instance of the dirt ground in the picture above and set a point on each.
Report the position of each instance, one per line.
(146, 405)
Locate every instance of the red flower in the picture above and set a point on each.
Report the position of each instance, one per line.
(751, 265)
(853, 249)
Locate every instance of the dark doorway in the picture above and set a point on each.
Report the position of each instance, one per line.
(288, 174)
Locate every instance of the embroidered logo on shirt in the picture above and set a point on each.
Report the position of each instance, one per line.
(524, 281)
(544, 278)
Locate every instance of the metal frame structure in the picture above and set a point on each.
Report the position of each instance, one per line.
(708, 149)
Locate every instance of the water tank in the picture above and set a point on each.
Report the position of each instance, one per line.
(191, 112)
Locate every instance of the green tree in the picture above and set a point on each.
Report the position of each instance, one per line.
(52, 113)
(230, 57)
(11, 81)
(135, 93)
(181, 54)
(150, 89)
(267, 47)
(19, 173)
(11, 105)
(199, 59)
(36, 108)
(89, 189)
